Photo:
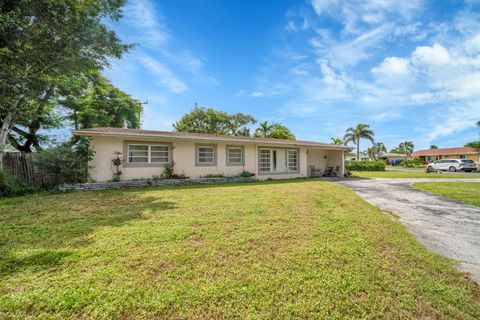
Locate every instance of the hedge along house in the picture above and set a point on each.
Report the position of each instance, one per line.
(144, 153)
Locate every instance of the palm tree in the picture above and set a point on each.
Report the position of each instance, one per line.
(264, 130)
(361, 131)
(406, 147)
(337, 141)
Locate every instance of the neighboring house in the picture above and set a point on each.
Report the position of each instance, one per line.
(390, 156)
(145, 152)
(447, 153)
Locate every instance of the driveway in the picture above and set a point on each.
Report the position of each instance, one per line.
(444, 226)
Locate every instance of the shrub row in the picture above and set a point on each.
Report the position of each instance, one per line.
(354, 165)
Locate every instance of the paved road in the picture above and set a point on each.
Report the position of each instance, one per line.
(444, 226)
(460, 173)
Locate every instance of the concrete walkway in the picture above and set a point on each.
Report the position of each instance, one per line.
(444, 226)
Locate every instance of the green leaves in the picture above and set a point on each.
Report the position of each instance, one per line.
(203, 120)
(274, 131)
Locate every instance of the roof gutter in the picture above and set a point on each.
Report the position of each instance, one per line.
(159, 136)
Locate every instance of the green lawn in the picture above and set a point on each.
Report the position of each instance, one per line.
(467, 192)
(405, 168)
(296, 249)
(400, 174)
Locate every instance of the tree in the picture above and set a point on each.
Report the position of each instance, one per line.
(354, 135)
(264, 130)
(273, 131)
(44, 41)
(82, 101)
(279, 131)
(376, 151)
(203, 120)
(473, 144)
(433, 146)
(336, 141)
(406, 147)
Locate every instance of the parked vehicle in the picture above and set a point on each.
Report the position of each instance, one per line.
(452, 165)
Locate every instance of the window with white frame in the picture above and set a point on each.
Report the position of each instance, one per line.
(278, 160)
(206, 155)
(234, 155)
(148, 153)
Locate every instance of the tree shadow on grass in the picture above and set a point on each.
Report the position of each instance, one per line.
(45, 259)
(40, 237)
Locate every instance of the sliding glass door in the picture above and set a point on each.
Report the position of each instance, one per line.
(277, 160)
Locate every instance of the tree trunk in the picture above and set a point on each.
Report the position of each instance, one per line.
(358, 149)
(4, 132)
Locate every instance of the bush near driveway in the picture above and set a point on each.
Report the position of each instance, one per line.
(354, 165)
(295, 249)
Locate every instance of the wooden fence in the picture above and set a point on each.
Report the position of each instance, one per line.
(20, 166)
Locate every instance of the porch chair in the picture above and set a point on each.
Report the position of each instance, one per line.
(314, 172)
(330, 173)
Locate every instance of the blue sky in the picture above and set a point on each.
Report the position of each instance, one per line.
(410, 69)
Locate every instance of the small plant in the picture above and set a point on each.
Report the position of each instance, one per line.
(116, 162)
(180, 176)
(412, 163)
(168, 170)
(246, 174)
(214, 175)
(115, 177)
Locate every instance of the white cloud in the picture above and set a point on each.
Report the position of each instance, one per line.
(354, 15)
(148, 28)
(392, 66)
(472, 46)
(437, 55)
(165, 77)
(454, 120)
(257, 94)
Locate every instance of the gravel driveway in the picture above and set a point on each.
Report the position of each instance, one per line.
(444, 226)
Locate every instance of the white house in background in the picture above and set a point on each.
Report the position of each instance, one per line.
(145, 153)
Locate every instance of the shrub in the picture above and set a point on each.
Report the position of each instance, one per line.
(11, 187)
(354, 165)
(168, 170)
(214, 175)
(412, 162)
(246, 174)
(180, 176)
(66, 164)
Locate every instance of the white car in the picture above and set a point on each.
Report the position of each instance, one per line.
(452, 165)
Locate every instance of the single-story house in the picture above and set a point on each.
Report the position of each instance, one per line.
(391, 156)
(430, 155)
(144, 153)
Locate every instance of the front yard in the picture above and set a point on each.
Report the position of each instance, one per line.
(292, 249)
(466, 192)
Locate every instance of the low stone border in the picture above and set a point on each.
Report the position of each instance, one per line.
(149, 183)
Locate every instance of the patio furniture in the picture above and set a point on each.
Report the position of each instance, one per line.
(314, 172)
(329, 172)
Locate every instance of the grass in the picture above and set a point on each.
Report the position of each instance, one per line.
(405, 168)
(404, 174)
(297, 249)
(466, 192)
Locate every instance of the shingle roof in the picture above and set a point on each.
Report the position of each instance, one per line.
(107, 131)
(442, 151)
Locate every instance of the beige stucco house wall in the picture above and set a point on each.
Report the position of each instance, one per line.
(183, 153)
